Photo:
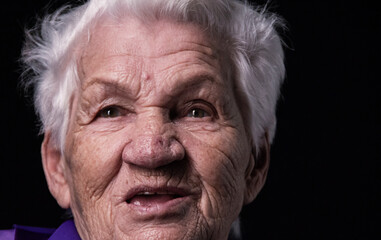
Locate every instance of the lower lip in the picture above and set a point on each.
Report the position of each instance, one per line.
(172, 207)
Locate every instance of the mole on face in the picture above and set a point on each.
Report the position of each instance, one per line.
(145, 76)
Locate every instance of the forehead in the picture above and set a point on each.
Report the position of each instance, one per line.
(133, 39)
(148, 58)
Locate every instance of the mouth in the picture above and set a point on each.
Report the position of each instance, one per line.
(161, 198)
(148, 198)
(163, 203)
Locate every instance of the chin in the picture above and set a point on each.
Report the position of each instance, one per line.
(195, 228)
(168, 233)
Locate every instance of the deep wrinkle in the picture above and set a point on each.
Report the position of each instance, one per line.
(102, 93)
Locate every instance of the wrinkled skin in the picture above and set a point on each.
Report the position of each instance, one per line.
(155, 109)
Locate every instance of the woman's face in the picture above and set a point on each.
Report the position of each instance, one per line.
(156, 146)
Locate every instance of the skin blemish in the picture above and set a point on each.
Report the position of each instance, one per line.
(145, 76)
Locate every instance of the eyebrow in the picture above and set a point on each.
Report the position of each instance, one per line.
(108, 86)
(192, 82)
(120, 89)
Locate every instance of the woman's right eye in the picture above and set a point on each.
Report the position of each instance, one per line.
(110, 112)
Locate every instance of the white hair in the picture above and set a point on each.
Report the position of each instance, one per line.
(249, 36)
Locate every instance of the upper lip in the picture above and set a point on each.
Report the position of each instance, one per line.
(149, 190)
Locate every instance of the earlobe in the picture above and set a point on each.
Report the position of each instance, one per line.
(54, 169)
(256, 172)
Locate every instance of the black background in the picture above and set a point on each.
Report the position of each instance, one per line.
(324, 181)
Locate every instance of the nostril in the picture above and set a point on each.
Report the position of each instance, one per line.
(150, 151)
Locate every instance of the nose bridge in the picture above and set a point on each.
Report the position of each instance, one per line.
(153, 122)
(154, 143)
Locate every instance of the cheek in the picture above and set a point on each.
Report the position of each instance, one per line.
(219, 159)
(94, 160)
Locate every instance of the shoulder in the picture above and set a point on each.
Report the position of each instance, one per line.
(24, 232)
(66, 231)
(8, 234)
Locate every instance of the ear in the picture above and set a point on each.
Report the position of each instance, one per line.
(54, 169)
(256, 172)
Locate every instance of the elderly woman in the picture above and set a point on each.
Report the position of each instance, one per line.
(158, 115)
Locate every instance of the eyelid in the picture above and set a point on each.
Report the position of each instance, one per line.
(202, 105)
(123, 111)
(108, 108)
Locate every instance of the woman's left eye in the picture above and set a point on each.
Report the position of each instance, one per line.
(197, 113)
(110, 112)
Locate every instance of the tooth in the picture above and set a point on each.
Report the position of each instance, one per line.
(144, 193)
(153, 193)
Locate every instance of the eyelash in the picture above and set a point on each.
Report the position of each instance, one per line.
(202, 105)
(110, 110)
(207, 109)
(103, 112)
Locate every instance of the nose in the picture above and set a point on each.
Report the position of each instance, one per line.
(153, 144)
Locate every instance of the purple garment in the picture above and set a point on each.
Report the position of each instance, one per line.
(66, 231)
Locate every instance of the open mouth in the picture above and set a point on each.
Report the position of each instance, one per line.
(145, 203)
(150, 197)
